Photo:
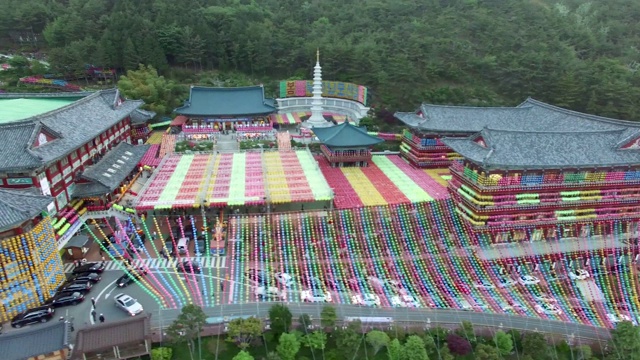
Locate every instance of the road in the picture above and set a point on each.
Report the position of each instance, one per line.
(105, 291)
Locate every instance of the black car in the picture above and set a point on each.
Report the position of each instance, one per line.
(65, 299)
(190, 266)
(168, 244)
(259, 277)
(134, 274)
(32, 316)
(200, 248)
(88, 276)
(95, 267)
(81, 287)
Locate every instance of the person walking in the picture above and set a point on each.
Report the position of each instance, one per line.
(93, 315)
(93, 302)
(101, 318)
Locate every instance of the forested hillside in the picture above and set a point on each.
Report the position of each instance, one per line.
(573, 53)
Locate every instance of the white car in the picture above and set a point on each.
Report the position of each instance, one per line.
(616, 318)
(511, 305)
(270, 292)
(506, 282)
(544, 298)
(549, 309)
(482, 284)
(367, 299)
(405, 301)
(284, 279)
(528, 280)
(315, 295)
(130, 305)
(578, 274)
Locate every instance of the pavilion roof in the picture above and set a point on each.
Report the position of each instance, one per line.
(531, 115)
(111, 170)
(345, 135)
(70, 127)
(234, 101)
(522, 150)
(35, 341)
(18, 206)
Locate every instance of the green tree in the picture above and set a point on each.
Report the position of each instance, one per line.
(187, 326)
(243, 331)
(394, 349)
(19, 65)
(316, 340)
(486, 352)
(503, 342)
(377, 340)
(304, 320)
(430, 344)
(348, 340)
(161, 353)
(280, 318)
(625, 341)
(243, 355)
(535, 345)
(466, 331)
(414, 349)
(583, 352)
(130, 56)
(159, 94)
(288, 346)
(328, 316)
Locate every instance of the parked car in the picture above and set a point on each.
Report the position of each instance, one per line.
(65, 299)
(134, 274)
(546, 308)
(616, 318)
(578, 274)
(88, 276)
(366, 299)
(270, 293)
(396, 287)
(128, 304)
(284, 279)
(315, 295)
(95, 267)
(543, 297)
(257, 277)
(190, 266)
(483, 284)
(511, 305)
(506, 282)
(81, 287)
(168, 244)
(40, 314)
(405, 301)
(528, 280)
(200, 247)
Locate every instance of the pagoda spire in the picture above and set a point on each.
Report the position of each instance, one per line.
(316, 118)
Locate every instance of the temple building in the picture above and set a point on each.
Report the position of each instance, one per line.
(422, 145)
(346, 145)
(210, 110)
(539, 185)
(140, 127)
(30, 267)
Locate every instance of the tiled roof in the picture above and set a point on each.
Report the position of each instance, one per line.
(32, 342)
(519, 150)
(72, 125)
(88, 190)
(237, 101)
(18, 206)
(139, 116)
(345, 135)
(114, 167)
(111, 333)
(531, 115)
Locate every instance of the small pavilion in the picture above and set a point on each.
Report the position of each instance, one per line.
(346, 145)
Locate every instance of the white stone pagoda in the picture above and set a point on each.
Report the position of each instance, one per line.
(316, 119)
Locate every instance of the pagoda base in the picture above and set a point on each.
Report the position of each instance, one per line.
(309, 124)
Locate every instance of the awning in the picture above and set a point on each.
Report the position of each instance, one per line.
(78, 241)
(179, 120)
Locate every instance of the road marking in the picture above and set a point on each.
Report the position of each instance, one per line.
(98, 297)
(207, 262)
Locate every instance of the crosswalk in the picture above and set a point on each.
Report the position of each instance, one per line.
(213, 262)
